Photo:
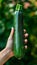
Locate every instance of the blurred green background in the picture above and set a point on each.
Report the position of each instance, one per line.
(30, 24)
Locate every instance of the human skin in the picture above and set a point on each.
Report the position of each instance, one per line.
(7, 52)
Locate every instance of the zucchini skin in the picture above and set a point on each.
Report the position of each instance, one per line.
(18, 35)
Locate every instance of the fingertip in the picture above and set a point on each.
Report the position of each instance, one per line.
(26, 46)
(12, 32)
(26, 35)
(26, 41)
(24, 30)
(12, 28)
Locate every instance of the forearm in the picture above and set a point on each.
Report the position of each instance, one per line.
(5, 55)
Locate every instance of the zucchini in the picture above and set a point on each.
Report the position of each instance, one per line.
(18, 35)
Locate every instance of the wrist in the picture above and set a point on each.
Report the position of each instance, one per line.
(5, 55)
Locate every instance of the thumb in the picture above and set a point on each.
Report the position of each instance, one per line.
(12, 33)
(10, 39)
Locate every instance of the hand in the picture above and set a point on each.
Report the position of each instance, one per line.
(10, 39)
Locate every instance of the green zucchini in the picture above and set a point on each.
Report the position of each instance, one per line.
(18, 34)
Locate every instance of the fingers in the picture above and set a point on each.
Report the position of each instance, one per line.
(26, 35)
(25, 38)
(26, 46)
(26, 41)
(24, 30)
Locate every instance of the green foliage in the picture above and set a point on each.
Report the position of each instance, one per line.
(30, 24)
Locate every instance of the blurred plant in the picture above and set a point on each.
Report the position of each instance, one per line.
(7, 7)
